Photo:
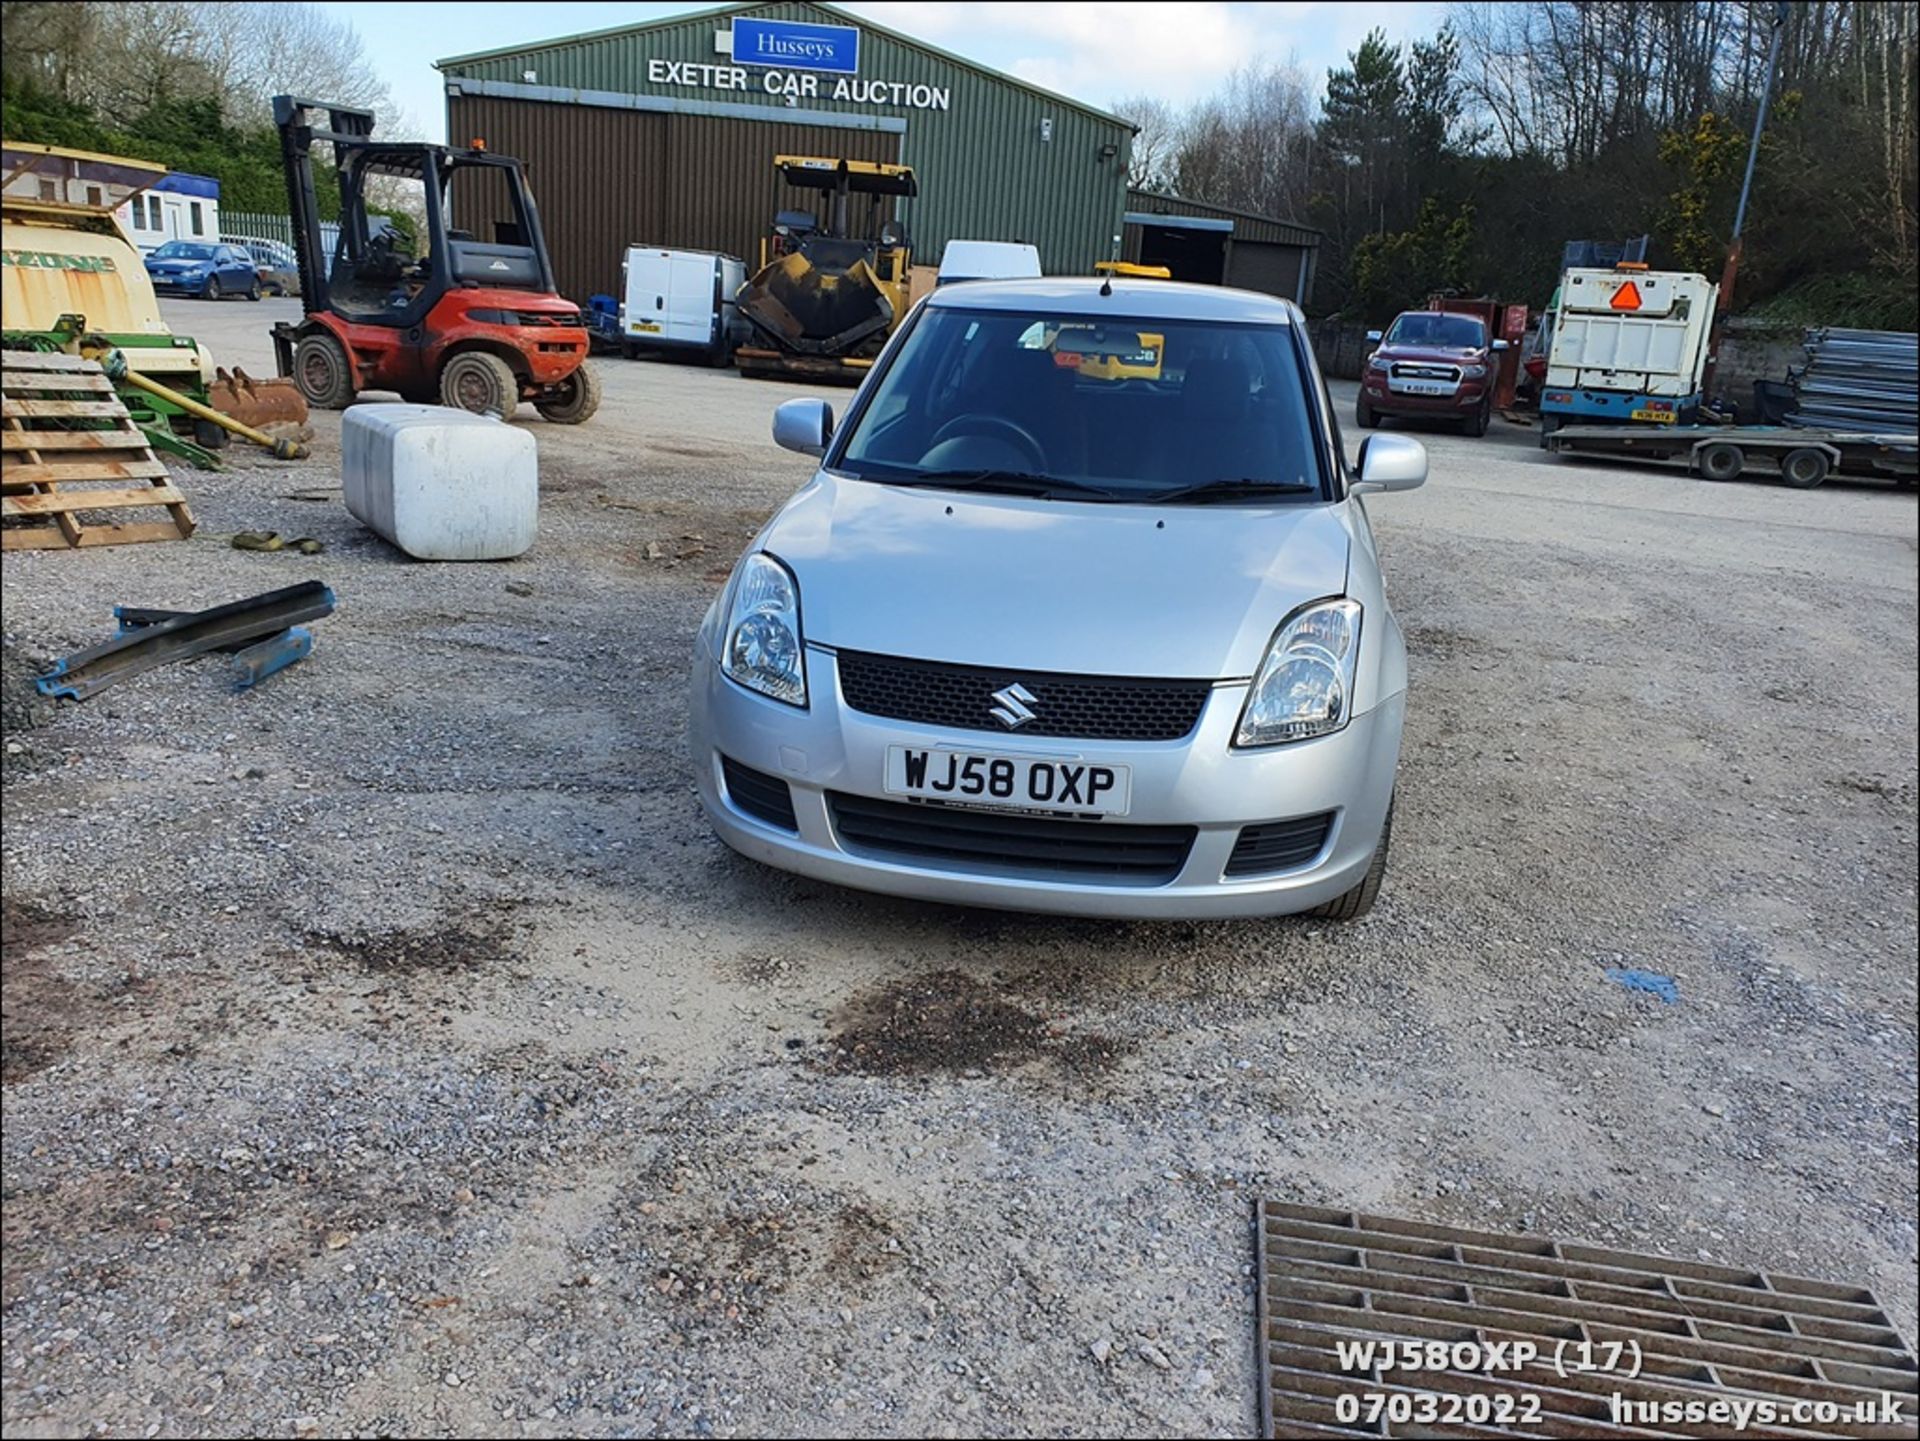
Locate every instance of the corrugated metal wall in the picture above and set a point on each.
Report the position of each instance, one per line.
(1269, 229)
(1270, 269)
(985, 171)
(606, 179)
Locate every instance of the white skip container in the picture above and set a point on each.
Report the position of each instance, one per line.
(441, 484)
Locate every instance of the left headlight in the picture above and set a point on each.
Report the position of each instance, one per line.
(1304, 687)
(762, 648)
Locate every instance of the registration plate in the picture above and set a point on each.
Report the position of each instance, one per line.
(1661, 417)
(1024, 783)
(1421, 387)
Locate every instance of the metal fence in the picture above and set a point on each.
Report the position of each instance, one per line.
(273, 227)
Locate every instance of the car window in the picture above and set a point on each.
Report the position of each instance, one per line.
(183, 250)
(1134, 407)
(1450, 332)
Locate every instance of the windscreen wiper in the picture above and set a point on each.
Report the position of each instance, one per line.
(1230, 490)
(1005, 482)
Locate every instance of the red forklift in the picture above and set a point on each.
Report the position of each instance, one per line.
(472, 323)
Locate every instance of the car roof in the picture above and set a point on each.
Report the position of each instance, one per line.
(1134, 299)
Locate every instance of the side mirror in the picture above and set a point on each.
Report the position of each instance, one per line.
(1390, 462)
(1373, 336)
(1501, 345)
(803, 425)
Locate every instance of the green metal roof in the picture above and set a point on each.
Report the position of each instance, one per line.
(834, 15)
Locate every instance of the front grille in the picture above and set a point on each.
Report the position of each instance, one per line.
(764, 797)
(1414, 370)
(1087, 707)
(960, 839)
(1278, 845)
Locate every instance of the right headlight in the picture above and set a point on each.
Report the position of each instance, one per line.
(762, 648)
(1304, 687)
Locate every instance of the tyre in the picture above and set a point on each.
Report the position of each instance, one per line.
(1548, 425)
(1721, 461)
(209, 436)
(1804, 468)
(1364, 415)
(482, 383)
(1358, 901)
(1477, 423)
(575, 399)
(321, 372)
(213, 287)
(253, 291)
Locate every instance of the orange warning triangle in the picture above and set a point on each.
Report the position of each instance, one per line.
(1627, 297)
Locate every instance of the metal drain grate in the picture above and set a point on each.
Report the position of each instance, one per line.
(1683, 1336)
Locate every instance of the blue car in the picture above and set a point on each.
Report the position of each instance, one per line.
(202, 268)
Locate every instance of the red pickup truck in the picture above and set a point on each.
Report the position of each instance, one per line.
(1430, 364)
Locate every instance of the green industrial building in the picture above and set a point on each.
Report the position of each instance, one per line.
(664, 134)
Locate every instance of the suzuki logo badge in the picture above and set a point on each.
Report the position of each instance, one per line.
(1015, 708)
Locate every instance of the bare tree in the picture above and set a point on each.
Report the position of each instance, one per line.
(1157, 143)
(1251, 145)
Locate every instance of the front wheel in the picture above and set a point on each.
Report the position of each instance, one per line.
(1477, 423)
(1364, 416)
(482, 383)
(213, 287)
(253, 291)
(574, 399)
(321, 373)
(1358, 901)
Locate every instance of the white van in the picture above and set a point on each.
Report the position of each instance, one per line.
(681, 300)
(987, 260)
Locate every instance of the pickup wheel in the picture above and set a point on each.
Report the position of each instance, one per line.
(574, 399)
(1364, 415)
(1804, 468)
(1477, 423)
(482, 383)
(321, 372)
(1722, 461)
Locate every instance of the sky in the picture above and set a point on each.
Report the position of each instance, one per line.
(1095, 53)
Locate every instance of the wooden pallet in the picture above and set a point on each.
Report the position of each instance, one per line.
(71, 459)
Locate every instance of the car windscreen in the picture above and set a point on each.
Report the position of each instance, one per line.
(183, 250)
(1113, 408)
(1446, 332)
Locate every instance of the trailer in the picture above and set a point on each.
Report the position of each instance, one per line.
(1801, 458)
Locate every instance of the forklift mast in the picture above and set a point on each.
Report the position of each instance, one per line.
(348, 129)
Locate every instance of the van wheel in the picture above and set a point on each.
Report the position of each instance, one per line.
(482, 383)
(574, 399)
(1358, 901)
(1805, 468)
(321, 373)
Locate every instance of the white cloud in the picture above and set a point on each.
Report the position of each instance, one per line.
(1096, 52)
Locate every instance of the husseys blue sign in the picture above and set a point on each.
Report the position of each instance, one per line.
(795, 45)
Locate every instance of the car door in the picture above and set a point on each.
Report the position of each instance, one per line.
(236, 268)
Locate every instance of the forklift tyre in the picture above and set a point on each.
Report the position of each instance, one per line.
(574, 399)
(482, 383)
(321, 372)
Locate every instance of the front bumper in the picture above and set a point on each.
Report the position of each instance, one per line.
(1465, 399)
(1198, 781)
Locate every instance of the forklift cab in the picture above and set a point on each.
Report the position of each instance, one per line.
(478, 229)
(382, 276)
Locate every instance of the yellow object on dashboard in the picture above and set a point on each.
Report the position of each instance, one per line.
(1127, 270)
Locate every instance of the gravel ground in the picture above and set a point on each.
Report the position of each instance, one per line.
(391, 1050)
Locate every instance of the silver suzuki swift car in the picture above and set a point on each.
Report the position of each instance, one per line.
(1079, 613)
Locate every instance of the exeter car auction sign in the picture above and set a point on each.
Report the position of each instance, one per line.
(796, 62)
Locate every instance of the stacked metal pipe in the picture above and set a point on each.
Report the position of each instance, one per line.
(1861, 380)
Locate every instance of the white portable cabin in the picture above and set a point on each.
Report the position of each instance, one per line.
(1640, 332)
(682, 300)
(179, 207)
